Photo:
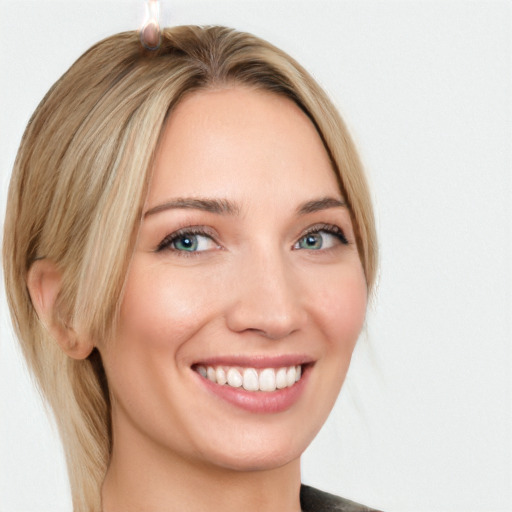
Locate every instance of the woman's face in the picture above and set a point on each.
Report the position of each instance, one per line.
(246, 269)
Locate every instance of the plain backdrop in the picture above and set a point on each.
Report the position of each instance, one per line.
(424, 420)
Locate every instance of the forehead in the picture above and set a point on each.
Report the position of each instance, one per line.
(243, 144)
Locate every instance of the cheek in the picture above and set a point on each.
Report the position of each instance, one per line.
(341, 306)
(163, 307)
(339, 312)
(161, 311)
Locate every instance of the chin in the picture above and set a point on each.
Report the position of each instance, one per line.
(263, 460)
(260, 451)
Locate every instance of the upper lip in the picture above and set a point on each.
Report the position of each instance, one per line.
(256, 361)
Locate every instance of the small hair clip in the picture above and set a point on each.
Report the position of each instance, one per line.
(150, 35)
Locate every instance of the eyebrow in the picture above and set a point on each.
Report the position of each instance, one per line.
(219, 206)
(320, 204)
(227, 207)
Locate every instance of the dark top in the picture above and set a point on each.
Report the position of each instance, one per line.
(313, 500)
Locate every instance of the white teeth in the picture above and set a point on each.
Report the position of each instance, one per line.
(281, 378)
(268, 379)
(291, 373)
(251, 379)
(220, 374)
(234, 378)
(210, 374)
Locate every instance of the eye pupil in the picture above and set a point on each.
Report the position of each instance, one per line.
(312, 241)
(186, 243)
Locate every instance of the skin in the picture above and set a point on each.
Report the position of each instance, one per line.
(254, 288)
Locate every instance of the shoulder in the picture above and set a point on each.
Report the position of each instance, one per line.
(313, 500)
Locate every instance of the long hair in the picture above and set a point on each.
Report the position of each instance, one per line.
(79, 184)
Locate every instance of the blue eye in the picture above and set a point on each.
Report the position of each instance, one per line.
(324, 238)
(187, 241)
(312, 241)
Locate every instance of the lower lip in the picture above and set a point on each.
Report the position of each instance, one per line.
(262, 402)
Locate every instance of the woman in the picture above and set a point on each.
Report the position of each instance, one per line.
(189, 247)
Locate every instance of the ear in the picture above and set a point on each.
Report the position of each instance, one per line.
(44, 284)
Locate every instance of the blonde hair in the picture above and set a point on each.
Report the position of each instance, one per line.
(79, 184)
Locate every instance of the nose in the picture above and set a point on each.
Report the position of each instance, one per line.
(265, 298)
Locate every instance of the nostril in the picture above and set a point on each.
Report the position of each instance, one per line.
(272, 332)
(266, 302)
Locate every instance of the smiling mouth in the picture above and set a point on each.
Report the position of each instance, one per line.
(251, 379)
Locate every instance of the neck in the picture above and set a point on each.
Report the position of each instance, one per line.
(150, 478)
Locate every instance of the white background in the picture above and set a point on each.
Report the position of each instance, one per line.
(424, 421)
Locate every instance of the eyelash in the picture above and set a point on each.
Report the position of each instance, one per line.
(166, 243)
(331, 229)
